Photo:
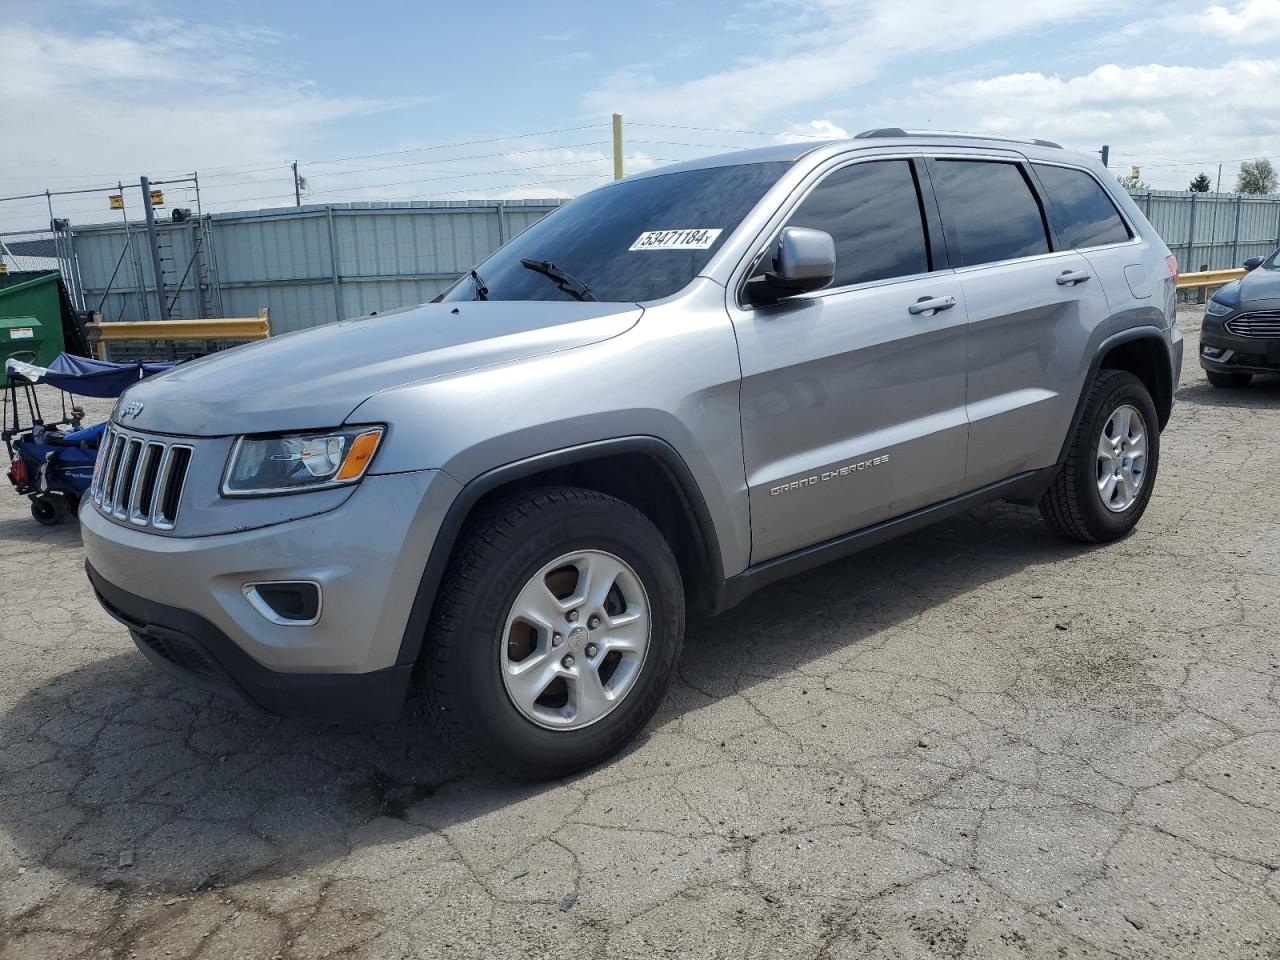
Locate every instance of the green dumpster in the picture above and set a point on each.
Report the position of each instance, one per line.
(22, 337)
(31, 317)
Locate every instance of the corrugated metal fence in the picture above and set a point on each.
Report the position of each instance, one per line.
(315, 264)
(310, 265)
(1213, 231)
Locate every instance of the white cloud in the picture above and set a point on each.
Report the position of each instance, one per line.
(1170, 120)
(832, 46)
(156, 97)
(813, 130)
(1253, 21)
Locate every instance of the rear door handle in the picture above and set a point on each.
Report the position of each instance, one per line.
(928, 306)
(1069, 278)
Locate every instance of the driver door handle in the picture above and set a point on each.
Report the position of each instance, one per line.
(1070, 278)
(928, 306)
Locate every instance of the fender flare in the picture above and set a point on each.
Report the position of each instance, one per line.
(1144, 332)
(460, 509)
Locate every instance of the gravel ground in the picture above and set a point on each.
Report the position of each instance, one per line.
(976, 741)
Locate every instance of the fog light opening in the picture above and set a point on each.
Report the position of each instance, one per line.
(290, 603)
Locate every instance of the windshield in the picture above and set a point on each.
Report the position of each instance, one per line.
(635, 240)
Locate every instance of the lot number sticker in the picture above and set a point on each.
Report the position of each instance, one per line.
(22, 333)
(697, 238)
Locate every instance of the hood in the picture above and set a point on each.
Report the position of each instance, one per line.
(315, 378)
(1259, 284)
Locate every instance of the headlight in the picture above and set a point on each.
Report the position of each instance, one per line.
(1215, 309)
(294, 462)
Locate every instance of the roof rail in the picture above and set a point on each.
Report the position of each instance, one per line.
(879, 132)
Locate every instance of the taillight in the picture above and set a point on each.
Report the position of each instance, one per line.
(18, 473)
(1172, 261)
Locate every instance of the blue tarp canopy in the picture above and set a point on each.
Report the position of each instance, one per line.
(84, 375)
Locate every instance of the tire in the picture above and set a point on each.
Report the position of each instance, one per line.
(475, 634)
(49, 509)
(1228, 381)
(1074, 503)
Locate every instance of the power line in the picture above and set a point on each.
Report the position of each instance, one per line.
(753, 133)
(251, 166)
(442, 160)
(461, 143)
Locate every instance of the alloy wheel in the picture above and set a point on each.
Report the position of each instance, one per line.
(1122, 458)
(575, 640)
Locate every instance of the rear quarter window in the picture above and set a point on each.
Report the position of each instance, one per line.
(1084, 215)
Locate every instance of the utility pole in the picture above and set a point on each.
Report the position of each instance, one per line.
(297, 190)
(1218, 188)
(1106, 153)
(617, 146)
(154, 240)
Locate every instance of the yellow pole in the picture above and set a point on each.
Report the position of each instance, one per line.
(617, 146)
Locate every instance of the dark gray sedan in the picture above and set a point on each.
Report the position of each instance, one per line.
(1240, 334)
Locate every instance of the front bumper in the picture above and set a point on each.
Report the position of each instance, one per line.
(193, 650)
(1238, 354)
(183, 598)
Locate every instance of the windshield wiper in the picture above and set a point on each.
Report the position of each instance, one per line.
(482, 292)
(566, 282)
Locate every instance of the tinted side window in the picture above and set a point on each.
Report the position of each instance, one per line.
(1086, 216)
(989, 212)
(872, 211)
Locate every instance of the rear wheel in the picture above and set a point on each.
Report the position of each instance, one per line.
(556, 632)
(1103, 488)
(1228, 380)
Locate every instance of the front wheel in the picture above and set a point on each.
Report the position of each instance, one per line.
(556, 632)
(1103, 488)
(1228, 380)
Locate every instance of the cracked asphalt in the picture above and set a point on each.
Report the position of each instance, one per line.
(974, 742)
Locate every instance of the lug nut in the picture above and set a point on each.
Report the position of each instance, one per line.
(556, 639)
(572, 616)
(567, 661)
(591, 649)
(593, 623)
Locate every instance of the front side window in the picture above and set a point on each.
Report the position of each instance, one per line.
(1086, 215)
(988, 211)
(636, 240)
(872, 211)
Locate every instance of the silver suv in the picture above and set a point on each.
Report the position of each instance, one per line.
(666, 394)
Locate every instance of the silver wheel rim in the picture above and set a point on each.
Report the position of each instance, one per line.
(575, 640)
(1122, 458)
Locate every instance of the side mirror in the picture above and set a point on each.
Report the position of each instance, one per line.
(805, 261)
(1253, 263)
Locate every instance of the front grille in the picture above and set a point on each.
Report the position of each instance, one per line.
(1260, 323)
(139, 480)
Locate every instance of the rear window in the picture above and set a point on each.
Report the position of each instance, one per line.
(988, 211)
(635, 240)
(1085, 215)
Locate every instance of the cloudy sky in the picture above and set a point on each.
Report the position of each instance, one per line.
(385, 101)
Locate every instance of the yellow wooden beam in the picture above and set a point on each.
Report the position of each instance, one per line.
(1208, 278)
(228, 328)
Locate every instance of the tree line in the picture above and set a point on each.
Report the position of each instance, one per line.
(1255, 177)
